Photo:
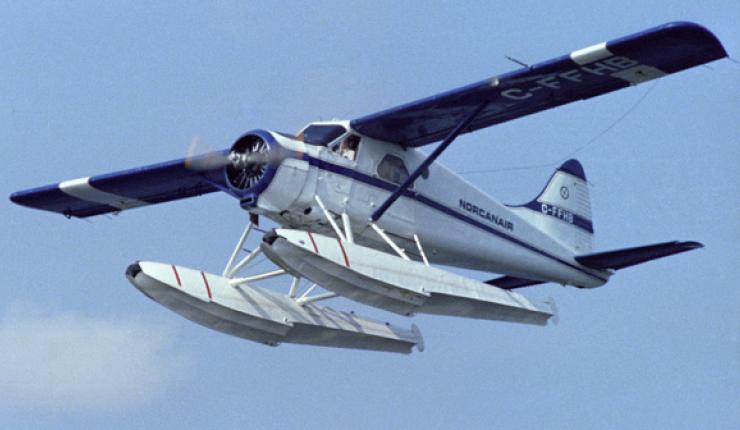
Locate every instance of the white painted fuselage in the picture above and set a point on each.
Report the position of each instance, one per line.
(458, 224)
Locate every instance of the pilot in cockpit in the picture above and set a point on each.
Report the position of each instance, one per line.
(348, 147)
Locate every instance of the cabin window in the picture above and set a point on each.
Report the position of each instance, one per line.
(322, 135)
(392, 169)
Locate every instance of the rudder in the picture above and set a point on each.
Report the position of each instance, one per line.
(563, 208)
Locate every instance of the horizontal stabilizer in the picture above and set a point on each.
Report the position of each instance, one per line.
(510, 282)
(114, 192)
(622, 258)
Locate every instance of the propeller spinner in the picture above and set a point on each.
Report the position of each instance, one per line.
(248, 161)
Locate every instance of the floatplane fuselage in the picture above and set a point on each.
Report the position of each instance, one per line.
(366, 215)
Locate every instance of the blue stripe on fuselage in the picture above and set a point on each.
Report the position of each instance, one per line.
(561, 214)
(379, 183)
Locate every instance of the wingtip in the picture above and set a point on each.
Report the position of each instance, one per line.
(13, 198)
(689, 245)
(18, 198)
(693, 30)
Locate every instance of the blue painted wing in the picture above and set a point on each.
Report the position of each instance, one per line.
(114, 192)
(582, 74)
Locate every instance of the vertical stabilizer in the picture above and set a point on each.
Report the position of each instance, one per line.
(563, 208)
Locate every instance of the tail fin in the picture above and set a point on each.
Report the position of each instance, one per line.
(563, 208)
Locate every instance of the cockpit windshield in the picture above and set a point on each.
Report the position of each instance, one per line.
(322, 135)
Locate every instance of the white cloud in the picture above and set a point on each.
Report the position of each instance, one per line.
(61, 363)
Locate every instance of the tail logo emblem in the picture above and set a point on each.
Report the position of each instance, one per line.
(564, 193)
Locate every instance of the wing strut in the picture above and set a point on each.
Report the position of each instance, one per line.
(427, 162)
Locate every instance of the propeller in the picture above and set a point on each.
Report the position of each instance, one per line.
(203, 160)
(245, 163)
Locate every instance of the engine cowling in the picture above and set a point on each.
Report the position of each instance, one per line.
(252, 162)
(266, 172)
(248, 162)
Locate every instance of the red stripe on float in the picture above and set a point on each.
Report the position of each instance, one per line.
(315, 248)
(344, 253)
(208, 287)
(177, 276)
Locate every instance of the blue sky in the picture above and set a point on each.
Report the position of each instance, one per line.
(90, 88)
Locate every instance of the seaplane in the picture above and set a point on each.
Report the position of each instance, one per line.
(361, 212)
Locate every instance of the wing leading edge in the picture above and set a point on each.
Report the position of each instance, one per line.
(585, 73)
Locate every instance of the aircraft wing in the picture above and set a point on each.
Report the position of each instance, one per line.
(582, 74)
(114, 192)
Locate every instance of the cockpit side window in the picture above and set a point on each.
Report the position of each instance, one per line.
(392, 169)
(322, 135)
(349, 147)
